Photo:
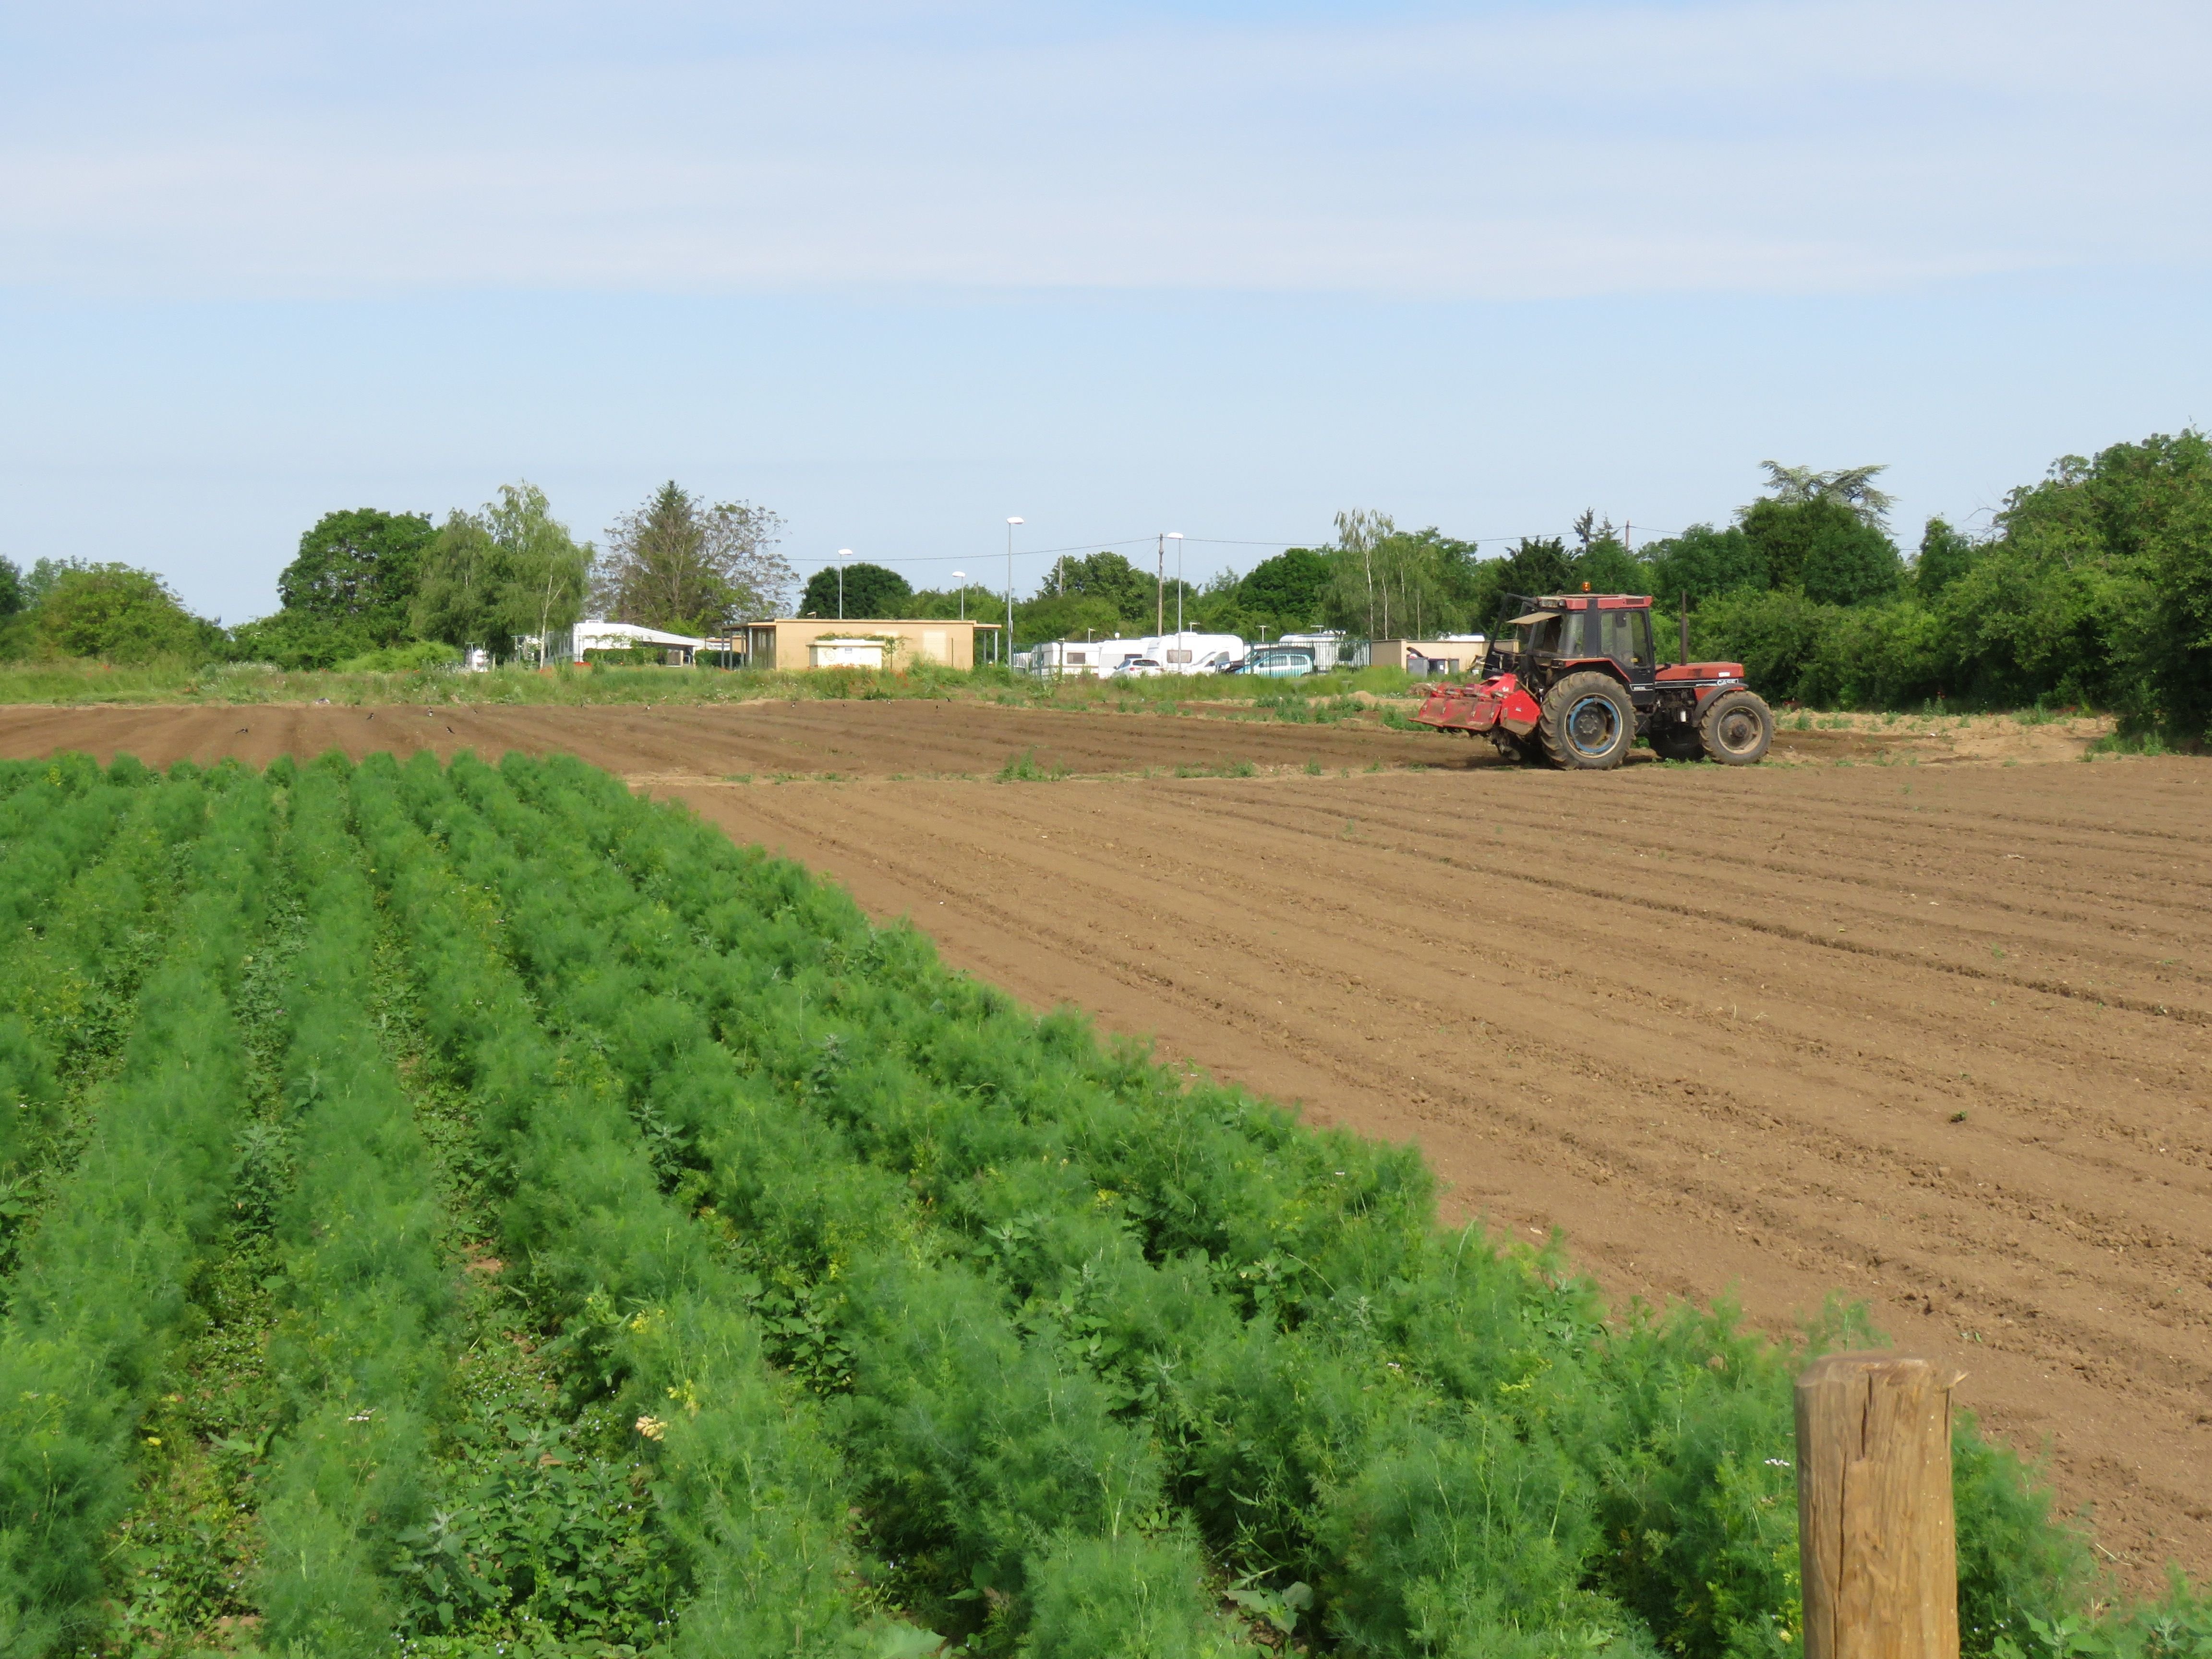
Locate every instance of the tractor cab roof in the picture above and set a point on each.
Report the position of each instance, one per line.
(1553, 604)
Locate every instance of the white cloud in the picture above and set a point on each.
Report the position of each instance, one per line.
(1505, 152)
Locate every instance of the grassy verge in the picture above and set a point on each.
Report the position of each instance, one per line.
(68, 684)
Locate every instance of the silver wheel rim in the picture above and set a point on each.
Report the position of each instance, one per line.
(1737, 731)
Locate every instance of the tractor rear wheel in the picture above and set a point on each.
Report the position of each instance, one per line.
(1736, 727)
(1588, 723)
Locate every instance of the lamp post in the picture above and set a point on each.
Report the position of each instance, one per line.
(1175, 536)
(843, 554)
(961, 576)
(1010, 523)
(1160, 590)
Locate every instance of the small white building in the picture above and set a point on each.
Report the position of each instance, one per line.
(629, 636)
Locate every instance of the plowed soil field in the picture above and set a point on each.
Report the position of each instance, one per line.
(1937, 1037)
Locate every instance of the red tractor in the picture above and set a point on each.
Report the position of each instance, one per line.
(1573, 679)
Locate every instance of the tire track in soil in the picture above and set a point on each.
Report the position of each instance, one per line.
(1703, 1091)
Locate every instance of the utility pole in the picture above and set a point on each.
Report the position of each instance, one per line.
(843, 554)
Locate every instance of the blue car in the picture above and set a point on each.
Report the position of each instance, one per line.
(1278, 663)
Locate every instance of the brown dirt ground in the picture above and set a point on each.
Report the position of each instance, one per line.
(1935, 1035)
(1935, 1039)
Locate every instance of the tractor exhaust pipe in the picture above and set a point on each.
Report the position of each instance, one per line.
(1686, 630)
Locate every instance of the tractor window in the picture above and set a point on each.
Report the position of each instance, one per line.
(1626, 637)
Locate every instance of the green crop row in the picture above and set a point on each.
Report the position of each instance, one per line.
(101, 1283)
(745, 1487)
(908, 1316)
(362, 1351)
(89, 881)
(1003, 1463)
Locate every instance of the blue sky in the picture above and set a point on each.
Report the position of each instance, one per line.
(898, 270)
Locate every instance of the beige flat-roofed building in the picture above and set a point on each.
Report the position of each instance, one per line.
(790, 643)
(1461, 657)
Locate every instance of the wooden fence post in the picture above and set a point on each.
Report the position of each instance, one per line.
(1880, 1565)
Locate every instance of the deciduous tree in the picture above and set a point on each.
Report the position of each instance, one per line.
(507, 571)
(870, 590)
(356, 572)
(681, 563)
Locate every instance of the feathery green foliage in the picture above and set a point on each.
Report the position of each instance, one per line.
(856, 1310)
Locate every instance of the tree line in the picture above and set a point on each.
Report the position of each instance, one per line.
(2090, 587)
(376, 589)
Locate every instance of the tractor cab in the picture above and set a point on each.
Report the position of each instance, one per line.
(1539, 638)
(1574, 679)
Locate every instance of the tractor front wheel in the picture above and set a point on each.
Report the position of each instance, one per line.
(1588, 723)
(1736, 727)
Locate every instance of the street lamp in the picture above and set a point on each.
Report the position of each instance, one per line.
(843, 554)
(961, 576)
(1010, 523)
(1175, 536)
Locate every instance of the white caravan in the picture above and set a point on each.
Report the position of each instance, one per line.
(1193, 653)
(1085, 657)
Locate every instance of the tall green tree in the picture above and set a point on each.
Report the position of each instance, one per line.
(1826, 547)
(357, 571)
(1851, 487)
(506, 572)
(1109, 577)
(869, 590)
(682, 563)
(1945, 554)
(11, 588)
(1704, 562)
(1288, 586)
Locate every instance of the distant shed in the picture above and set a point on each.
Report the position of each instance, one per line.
(794, 642)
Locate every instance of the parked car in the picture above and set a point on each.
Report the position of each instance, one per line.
(1275, 662)
(1140, 668)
